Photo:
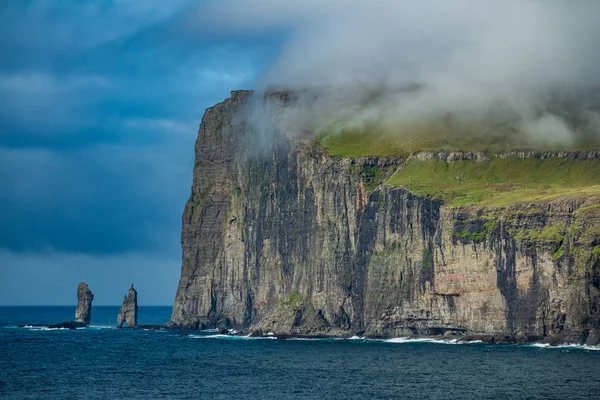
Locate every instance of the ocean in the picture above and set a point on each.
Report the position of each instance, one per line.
(102, 362)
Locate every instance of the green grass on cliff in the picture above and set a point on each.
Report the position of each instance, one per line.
(375, 142)
(491, 183)
(357, 144)
(500, 181)
(292, 299)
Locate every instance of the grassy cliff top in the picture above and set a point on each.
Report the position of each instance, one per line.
(501, 181)
(357, 143)
(494, 182)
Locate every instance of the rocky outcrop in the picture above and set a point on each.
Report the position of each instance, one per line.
(129, 310)
(292, 241)
(83, 313)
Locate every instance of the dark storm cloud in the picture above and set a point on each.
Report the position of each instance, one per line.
(99, 106)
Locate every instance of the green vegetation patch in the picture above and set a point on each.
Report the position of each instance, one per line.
(292, 299)
(373, 139)
(358, 144)
(474, 231)
(500, 181)
(372, 176)
(559, 252)
(549, 234)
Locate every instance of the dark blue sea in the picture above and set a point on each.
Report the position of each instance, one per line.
(101, 362)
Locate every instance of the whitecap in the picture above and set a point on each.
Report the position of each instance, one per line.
(101, 327)
(430, 340)
(566, 346)
(231, 337)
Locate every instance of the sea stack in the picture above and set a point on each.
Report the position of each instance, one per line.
(83, 313)
(129, 310)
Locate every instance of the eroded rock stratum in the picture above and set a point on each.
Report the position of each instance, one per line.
(293, 241)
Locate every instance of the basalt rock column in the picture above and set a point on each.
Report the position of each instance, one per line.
(83, 313)
(129, 310)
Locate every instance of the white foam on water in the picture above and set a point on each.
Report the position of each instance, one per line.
(231, 337)
(309, 339)
(565, 346)
(430, 340)
(208, 336)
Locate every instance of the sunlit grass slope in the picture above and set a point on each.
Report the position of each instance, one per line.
(490, 183)
(500, 181)
(373, 142)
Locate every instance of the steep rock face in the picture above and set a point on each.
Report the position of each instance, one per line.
(129, 310)
(83, 313)
(293, 241)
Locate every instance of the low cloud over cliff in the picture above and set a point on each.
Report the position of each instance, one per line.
(525, 66)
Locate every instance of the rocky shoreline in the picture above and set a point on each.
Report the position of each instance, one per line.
(585, 339)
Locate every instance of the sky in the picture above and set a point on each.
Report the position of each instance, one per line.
(100, 101)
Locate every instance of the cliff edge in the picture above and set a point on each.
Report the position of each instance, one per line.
(294, 241)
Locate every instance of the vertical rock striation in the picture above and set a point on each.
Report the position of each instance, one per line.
(294, 241)
(83, 313)
(129, 310)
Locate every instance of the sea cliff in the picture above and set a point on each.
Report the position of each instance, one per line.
(291, 240)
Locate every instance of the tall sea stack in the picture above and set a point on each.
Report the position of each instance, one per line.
(83, 314)
(129, 310)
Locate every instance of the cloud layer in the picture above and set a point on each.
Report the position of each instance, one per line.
(473, 60)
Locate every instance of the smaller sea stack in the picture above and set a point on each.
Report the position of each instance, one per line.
(83, 313)
(129, 310)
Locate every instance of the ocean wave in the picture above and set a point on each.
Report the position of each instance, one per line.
(48, 328)
(399, 340)
(430, 340)
(565, 346)
(99, 327)
(219, 336)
